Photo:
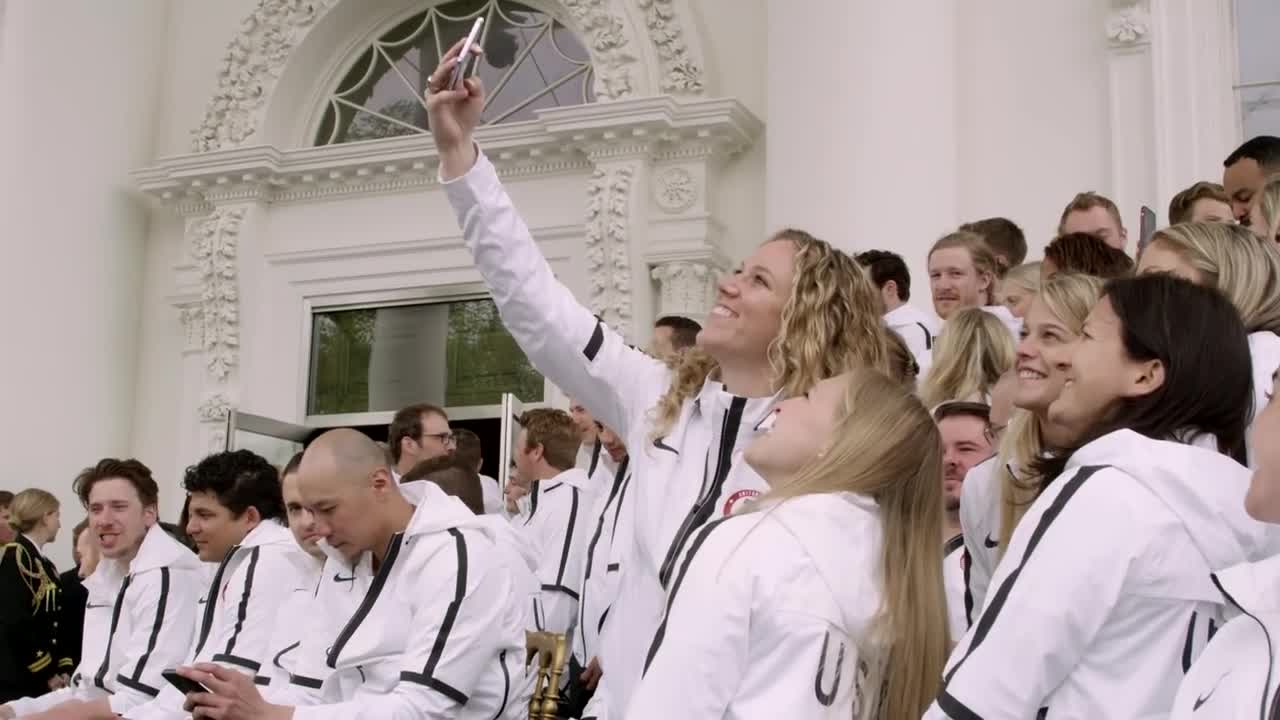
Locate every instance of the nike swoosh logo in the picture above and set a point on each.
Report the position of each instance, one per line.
(1201, 700)
(988, 542)
(337, 577)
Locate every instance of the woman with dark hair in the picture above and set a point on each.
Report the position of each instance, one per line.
(1112, 563)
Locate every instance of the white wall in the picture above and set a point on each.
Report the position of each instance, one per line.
(79, 81)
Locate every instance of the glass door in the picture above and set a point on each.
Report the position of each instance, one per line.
(275, 440)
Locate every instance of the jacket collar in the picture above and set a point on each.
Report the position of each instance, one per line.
(575, 477)
(160, 550)
(1255, 586)
(268, 532)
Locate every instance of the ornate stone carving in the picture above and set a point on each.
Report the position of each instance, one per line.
(608, 258)
(250, 67)
(1129, 25)
(217, 440)
(680, 75)
(213, 248)
(675, 190)
(192, 319)
(685, 287)
(607, 37)
(214, 408)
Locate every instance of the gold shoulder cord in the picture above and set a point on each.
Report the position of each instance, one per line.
(44, 591)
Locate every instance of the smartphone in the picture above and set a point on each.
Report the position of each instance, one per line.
(1147, 229)
(466, 59)
(184, 685)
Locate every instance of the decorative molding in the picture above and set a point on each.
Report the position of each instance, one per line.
(608, 252)
(675, 190)
(214, 408)
(1129, 25)
(680, 74)
(250, 68)
(685, 287)
(212, 243)
(562, 140)
(606, 35)
(192, 319)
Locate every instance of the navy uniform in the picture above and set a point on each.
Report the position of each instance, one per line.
(30, 608)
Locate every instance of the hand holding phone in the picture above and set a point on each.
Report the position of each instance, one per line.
(466, 58)
(1147, 228)
(184, 685)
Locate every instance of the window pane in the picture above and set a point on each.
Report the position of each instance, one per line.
(531, 61)
(453, 354)
(1258, 28)
(1261, 110)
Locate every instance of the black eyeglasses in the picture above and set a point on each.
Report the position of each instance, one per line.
(445, 438)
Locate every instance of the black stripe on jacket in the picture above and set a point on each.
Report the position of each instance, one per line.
(946, 701)
(428, 675)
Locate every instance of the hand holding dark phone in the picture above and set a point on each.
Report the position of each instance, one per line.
(183, 684)
(1147, 229)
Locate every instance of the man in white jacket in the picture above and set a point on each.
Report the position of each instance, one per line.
(916, 328)
(437, 634)
(236, 516)
(558, 525)
(141, 611)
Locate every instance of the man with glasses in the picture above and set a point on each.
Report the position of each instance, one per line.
(418, 432)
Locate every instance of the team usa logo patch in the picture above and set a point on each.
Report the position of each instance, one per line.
(736, 497)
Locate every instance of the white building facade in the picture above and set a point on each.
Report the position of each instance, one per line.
(233, 204)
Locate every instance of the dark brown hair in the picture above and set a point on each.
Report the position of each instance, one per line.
(1088, 255)
(1183, 203)
(453, 478)
(137, 474)
(684, 332)
(469, 451)
(407, 423)
(555, 432)
(6, 498)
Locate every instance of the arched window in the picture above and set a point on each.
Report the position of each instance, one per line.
(1258, 26)
(531, 61)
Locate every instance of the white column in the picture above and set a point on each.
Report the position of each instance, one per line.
(78, 93)
(861, 124)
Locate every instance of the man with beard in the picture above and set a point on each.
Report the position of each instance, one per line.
(966, 441)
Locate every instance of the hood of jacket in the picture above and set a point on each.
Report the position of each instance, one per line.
(1202, 488)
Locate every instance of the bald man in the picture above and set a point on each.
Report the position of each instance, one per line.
(438, 625)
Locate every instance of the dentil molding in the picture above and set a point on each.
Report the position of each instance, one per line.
(212, 242)
(560, 140)
(608, 247)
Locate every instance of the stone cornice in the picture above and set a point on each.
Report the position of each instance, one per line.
(561, 140)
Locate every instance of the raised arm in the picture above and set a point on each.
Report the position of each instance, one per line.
(565, 342)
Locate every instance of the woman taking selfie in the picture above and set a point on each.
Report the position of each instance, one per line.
(997, 492)
(1247, 271)
(779, 611)
(794, 312)
(1111, 564)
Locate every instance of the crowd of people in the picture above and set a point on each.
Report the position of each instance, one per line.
(1056, 496)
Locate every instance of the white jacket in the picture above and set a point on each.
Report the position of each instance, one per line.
(291, 623)
(439, 633)
(1110, 569)
(1264, 350)
(769, 615)
(492, 494)
(680, 481)
(980, 524)
(1236, 677)
(600, 575)
(1005, 315)
(138, 621)
(240, 615)
(558, 529)
(917, 329)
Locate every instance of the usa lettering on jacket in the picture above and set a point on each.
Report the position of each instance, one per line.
(768, 614)
(138, 621)
(681, 481)
(1112, 566)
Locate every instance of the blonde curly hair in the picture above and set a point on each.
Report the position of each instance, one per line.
(830, 325)
(1234, 260)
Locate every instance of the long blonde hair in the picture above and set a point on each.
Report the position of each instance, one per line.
(887, 447)
(1070, 298)
(981, 255)
(1025, 276)
(1235, 261)
(1269, 205)
(29, 507)
(973, 351)
(830, 324)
